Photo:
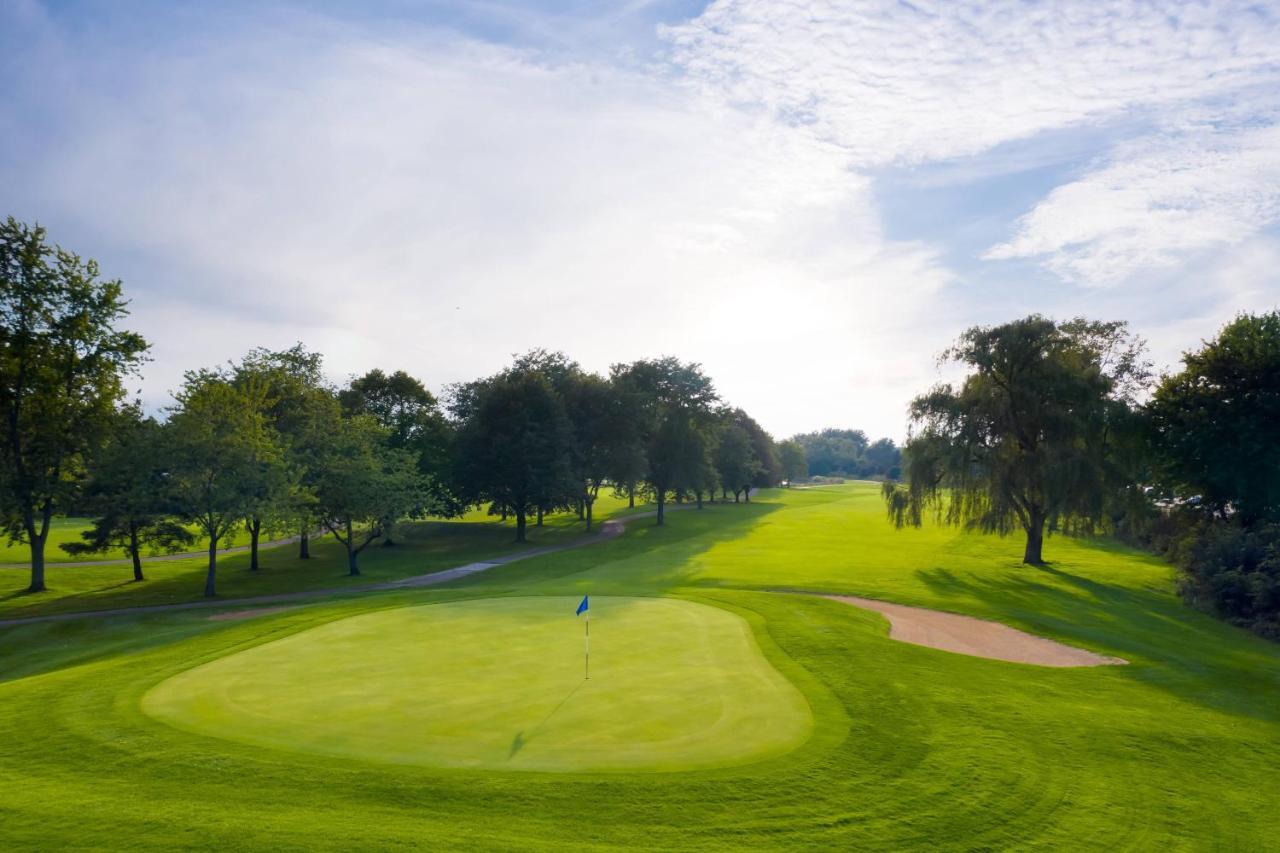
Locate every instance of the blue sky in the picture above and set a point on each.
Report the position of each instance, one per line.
(811, 199)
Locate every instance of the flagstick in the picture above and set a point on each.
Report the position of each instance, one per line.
(587, 648)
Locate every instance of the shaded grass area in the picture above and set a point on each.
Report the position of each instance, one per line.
(424, 546)
(912, 748)
(68, 530)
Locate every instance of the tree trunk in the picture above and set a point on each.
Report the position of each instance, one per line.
(735, 497)
(699, 496)
(37, 540)
(504, 515)
(582, 509)
(631, 498)
(661, 495)
(520, 524)
(209, 589)
(590, 504)
(255, 528)
(304, 544)
(133, 551)
(724, 494)
(1033, 556)
(539, 516)
(352, 555)
(746, 494)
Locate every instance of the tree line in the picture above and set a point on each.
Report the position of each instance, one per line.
(1062, 426)
(268, 444)
(849, 453)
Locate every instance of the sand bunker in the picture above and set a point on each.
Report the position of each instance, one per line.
(969, 636)
(247, 614)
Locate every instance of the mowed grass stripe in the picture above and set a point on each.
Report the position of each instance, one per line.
(911, 747)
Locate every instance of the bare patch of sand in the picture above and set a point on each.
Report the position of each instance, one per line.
(247, 614)
(969, 636)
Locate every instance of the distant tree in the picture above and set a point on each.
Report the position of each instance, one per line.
(791, 457)
(767, 470)
(128, 493)
(62, 367)
(1026, 441)
(515, 444)
(1216, 423)
(223, 456)
(600, 434)
(736, 462)
(881, 459)
(361, 481)
(834, 451)
(676, 420)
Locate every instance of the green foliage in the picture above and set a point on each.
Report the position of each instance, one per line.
(129, 491)
(792, 458)
(672, 403)
(225, 459)
(1216, 423)
(848, 453)
(515, 444)
(361, 483)
(62, 366)
(1028, 440)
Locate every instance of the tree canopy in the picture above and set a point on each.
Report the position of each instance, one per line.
(1027, 440)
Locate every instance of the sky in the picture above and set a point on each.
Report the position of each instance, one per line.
(812, 200)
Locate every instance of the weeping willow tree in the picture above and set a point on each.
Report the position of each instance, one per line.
(1031, 438)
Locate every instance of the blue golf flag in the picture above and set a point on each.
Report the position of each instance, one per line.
(581, 607)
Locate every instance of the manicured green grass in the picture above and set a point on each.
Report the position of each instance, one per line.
(911, 748)
(500, 683)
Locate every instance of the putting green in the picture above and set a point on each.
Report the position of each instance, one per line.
(498, 683)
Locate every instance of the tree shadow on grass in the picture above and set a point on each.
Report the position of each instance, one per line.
(646, 560)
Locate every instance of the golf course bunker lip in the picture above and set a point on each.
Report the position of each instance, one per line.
(498, 684)
(967, 635)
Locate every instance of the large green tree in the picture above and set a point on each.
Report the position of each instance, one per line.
(676, 420)
(128, 493)
(361, 481)
(1216, 423)
(1028, 439)
(62, 367)
(415, 422)
(223, 456)
(515, 444)
(297, 402)
(791, 456)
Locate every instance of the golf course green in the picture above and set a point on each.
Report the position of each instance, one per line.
(499, 683)
(727, 708)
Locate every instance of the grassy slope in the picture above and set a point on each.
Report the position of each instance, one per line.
(425, 547)
(912, 747)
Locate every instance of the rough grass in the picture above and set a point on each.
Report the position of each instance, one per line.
(912, 748)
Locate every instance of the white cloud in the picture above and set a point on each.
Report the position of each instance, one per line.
(902, 83)
(909, 82)
(440, 204)
(1157, 202)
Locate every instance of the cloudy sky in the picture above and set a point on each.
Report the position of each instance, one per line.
(810, 199)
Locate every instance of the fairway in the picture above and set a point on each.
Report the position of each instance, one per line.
(499, 684)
